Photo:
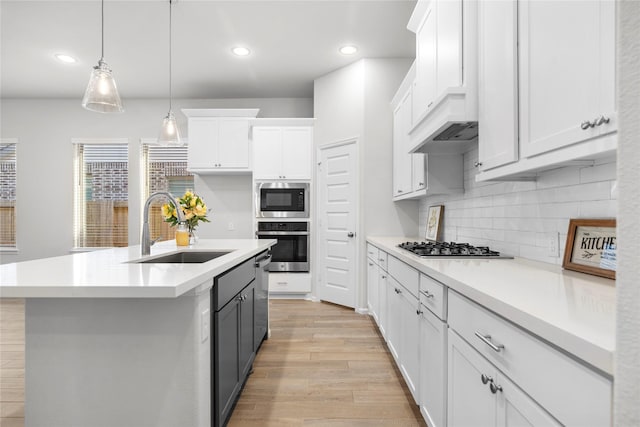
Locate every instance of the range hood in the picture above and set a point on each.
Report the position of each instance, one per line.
(450, 126)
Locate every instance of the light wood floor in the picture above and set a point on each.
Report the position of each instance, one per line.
(324, 365)
(11, 362)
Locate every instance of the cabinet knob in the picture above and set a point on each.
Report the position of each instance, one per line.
(418, 312)
(398, 291)
(494, 388)
(486, 379)
(383, 276)
(477, 164)
(586, 125)
(399, 191)
(371, 263)
(421, 184)
(601, 120)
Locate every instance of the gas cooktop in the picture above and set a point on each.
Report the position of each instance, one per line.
(451, 249)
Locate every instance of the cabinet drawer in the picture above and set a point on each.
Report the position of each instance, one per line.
(407, 276)
(383, 260)
(289, 283)
(571, 392)
(433, 296)
(227, 285)
(372, 252)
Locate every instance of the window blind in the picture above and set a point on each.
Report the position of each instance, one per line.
(8, 187)
(101, 188)
(164, 168)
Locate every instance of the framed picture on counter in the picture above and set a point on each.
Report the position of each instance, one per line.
(434, 223)
(591, 247)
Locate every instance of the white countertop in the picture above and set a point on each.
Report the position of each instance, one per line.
(109, 273)
(573, 311)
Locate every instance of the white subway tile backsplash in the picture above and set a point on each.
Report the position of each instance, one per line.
(518, 218)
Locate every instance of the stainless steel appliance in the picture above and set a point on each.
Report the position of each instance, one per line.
(282, 200)
(291, 253)
(450, 249)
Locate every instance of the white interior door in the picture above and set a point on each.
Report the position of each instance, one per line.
(337, 213)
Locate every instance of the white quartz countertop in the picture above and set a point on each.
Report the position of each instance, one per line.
(573, 311)
(109, 273)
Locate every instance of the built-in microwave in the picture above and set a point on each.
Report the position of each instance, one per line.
(282, 200)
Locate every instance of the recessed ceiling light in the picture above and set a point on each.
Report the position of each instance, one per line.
(348, 50)
(240, 51)
(65, 58)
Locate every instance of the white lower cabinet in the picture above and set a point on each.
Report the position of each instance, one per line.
(373, 274)
(409, 351)
(480, 395)
(382, 302)
(433, 375)
(394, 322)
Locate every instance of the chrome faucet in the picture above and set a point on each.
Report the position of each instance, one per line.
(145, 240)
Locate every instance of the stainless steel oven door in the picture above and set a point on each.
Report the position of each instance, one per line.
(291, 253)
(282, 200)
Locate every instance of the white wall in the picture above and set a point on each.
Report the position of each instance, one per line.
(354, 102)
(627, 359)
(44, 198)
(518, 218)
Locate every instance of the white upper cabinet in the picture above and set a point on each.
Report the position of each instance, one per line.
(281, 152)
(402, 160)
(567, 73)
(425, 86)
(219, 140)
(563, 111)
(498, 88)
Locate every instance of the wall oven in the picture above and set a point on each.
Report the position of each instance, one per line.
(291, 253)
(282, 200)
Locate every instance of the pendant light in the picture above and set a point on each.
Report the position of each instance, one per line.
(169, 133)
(101, 94)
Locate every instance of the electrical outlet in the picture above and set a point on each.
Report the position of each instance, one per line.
(231, 227)
(552, 245)
(205, 324)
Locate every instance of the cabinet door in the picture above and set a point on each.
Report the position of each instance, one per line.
(297, 143)
(394, 322)
(382, 302)
(418, 176)
(372, 288)
(498, 84)
(470, 402)
(402, 162)
(448, 46)
(247, 322)
(515, 408)
(433, 370)
(202, 151)
(409, 351)
(424, 89)
(226, 357)
(267, 147)
(563, 46)
(233, 143)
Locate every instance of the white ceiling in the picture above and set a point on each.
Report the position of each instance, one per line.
(292, 43)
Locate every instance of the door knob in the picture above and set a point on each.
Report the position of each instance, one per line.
(350, 234)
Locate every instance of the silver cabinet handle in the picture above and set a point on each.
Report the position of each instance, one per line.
(494, 388)
(383, 276)
(428, 294)
(486, 379)
(487, 340)
(371, 264)
(421, 184)
(350, 234)
(477, 164)
(399, 191)
(418, 312)
(398, 291)
(586, 125)
(601, 120)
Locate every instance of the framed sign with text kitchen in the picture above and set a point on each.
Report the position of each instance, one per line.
(591, 247)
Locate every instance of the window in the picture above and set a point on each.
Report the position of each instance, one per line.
(101, 186)
(164, 168)
(8, 185)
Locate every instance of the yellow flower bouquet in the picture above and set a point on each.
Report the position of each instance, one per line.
(193, 207)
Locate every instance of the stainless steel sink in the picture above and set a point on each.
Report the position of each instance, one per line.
(187, 257)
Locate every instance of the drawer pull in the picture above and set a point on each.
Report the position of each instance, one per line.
(418, 312)
(486, 379)
(428, 294)
(487, 340)
(381, 259)
(494, 388)
(370, 264)
(383, 276)
(397, 290)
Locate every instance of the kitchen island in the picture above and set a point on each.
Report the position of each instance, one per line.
(113, 341)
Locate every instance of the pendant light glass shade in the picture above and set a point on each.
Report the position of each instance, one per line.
(169, 133)
(102, 94)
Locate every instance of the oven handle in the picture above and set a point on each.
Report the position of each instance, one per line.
(282, 233)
